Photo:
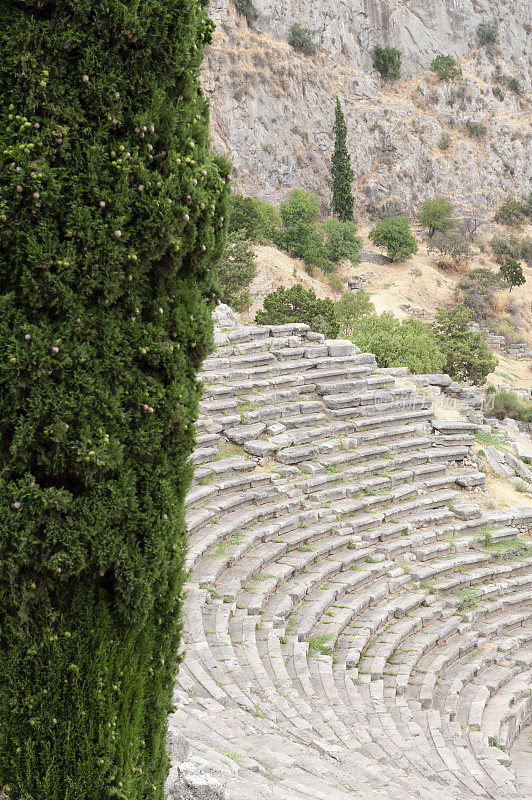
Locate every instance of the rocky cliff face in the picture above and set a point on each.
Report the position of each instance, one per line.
(273, 108)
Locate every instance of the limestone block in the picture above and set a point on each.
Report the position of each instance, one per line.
(518, 467)
(295, 455)
(467, 511)
(471, 479)
(260, 449)
(243, 433)
(340, 347)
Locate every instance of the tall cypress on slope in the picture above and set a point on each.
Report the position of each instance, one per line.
(111, 219)
(342, 174)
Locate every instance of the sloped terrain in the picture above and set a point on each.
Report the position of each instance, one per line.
(273, 108)
(353, 626)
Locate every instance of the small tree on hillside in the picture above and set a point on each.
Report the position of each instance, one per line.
(257, 219)
(395, 235)
(342, 240)
(387, 60)
(236, 270)
(452, 244)
(435, 214)
(349, 310)
(468, 356)
(299, 305)
(511, 271)
(445, 67)
(300, 207)
(487, 32)
(511, 213)
(342, 174)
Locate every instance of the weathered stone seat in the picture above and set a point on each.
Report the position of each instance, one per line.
(338, 608)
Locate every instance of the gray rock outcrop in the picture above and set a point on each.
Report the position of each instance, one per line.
(273, 108)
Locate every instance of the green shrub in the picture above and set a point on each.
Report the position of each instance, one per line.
(335, 282)
(508, 404)
(395, 235)
(435, 214)
(510, 213)
(247, 9)
(488, 32)
(502, 248)
(387, 60)
(300, 235)
(511, 272)
(349, 310)
(299, 305)
(300, 39)
(476, 129)
(445, 67)
(526, 251)
(468, 357)
(451, 243)
(410, 343)
(477, 289)
(342, 240)
(236, 270)
(257, 219)
(445, 142)
(498, 93)
(300, 207)
(110, 233)
(303, 240)
(515, 86)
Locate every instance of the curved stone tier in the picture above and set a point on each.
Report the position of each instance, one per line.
(354, 625)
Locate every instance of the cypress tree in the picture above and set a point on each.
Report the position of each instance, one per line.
(342, 174)
(111, 219)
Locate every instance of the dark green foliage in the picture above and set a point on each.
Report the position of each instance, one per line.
(236, 270)
(526, 251)
(476, 290)
(498, 93)
(349, 310)
(515, 85)
(342, 174)
(257, 219)
(300, 39)
(111, 218)
(487, 32)
(468, 357)
(299, 305)
(511, 272)
(451, 243)
(511, 213)
(247, 9)
(445, 142)
(436, 215)
(410, 343)
(394, 234)
(508, 404)
(513, 247)
(387, 60)
(342, 240)
(300, 207)
(300, 235)
(445, 67)
(303, 240)
(476, 129)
